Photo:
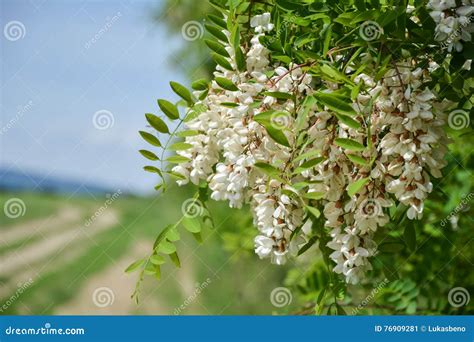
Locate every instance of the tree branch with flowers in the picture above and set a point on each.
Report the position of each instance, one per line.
(330, 119)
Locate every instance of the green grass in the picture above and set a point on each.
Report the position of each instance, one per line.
(33, 207)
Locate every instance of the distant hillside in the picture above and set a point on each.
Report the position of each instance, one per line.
(14, 180)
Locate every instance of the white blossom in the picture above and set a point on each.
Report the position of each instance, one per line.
(453, 23)
(407, 147)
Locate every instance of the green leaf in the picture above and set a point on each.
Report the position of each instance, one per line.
(306, 155)
(409, 236)
(277, 135)
(340, 310)
(149, 155)
(149, 269)
(222, 61)
(235, 37)
(355, 91)
(187, 133)
(327, 39)
(321, 296)
(336, 103)
(216, 32)
(279, 95)
(156, 259)
(150, 138)
(345, 18)
(173, 235)
(240, 59)
(175, 175)
(175, 259)
(182, 92)
(192, 225)
(357, 159)
(288, 5)
(313, 211)
(353, 188)
(162, 235)
(180, 146)
(135, 266)
(216, 47)
(334, 74)
(157, 272)
(200, 84)
(166, 247)
(157, 123)
(314, 195)
(267, 168)
(308, 103)
(169, 109)
(198, 237)
(177, 159)
(304, 39)
(411, 308)
(226, 84)
(265, 119)
(348, 121)
(152, 169)
(308, 164)
(203, 94)
(217, 20)
(349, 144)
(229, 104)
(308, 245)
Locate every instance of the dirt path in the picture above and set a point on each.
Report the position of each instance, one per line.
(62, 239)
(188, 284)
(64, 216)
(108, 292)
(29, 262)
(18, 259)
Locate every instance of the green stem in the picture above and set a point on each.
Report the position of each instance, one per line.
(168, 142)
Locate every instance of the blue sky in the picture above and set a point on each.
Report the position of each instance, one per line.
(75, 58)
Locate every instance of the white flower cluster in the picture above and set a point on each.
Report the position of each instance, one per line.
(406, 142)
(453, 22)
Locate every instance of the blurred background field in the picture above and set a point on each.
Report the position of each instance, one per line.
(67, 260)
